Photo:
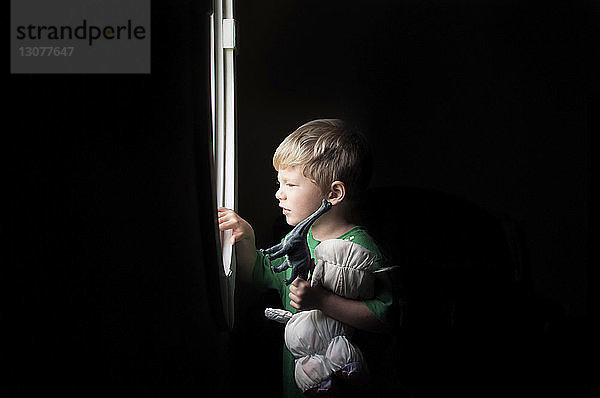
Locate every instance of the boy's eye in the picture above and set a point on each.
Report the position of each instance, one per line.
(278, 183)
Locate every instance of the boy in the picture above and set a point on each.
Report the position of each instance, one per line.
(322, 159)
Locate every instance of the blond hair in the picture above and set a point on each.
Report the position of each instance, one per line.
(328, 150)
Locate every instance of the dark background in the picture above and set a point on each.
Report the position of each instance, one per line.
(110, 227)
(494, 102)
(109, 223)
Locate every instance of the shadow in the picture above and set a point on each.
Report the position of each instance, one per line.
(469, 323)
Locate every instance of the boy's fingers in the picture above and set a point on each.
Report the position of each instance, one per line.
(294, 298)
(224, 219)
(226, 225)
(228, 221)
(296, 285)
(228, 218)
(226, 214)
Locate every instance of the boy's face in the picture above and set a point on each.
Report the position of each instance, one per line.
(298, 196)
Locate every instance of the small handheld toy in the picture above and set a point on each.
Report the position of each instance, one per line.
(295, 247)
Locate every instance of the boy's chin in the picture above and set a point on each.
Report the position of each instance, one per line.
(291, 221)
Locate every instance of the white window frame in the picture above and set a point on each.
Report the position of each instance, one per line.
(222, 46)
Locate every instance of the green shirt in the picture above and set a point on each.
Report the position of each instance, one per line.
(380, 304)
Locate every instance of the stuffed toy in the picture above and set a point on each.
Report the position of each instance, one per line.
(322, 345)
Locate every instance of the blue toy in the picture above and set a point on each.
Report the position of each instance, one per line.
(295, 247)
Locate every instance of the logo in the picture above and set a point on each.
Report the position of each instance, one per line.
(80, 36)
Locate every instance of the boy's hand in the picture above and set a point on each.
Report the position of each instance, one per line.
(242, 233)
(304, 296)
(228, 219)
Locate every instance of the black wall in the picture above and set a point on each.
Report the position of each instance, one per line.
(109, 226)
(494, 102)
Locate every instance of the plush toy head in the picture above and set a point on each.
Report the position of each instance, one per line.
(345, 268)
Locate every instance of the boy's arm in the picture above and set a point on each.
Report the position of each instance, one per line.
(245, 252)
(352, 312)
(253, 267)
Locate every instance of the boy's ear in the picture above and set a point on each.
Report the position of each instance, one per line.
(337, 192)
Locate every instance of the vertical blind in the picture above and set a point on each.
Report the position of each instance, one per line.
(222, 27)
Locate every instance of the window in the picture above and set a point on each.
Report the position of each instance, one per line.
(222, 43)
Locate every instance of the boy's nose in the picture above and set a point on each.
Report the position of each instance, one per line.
(278, 194)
